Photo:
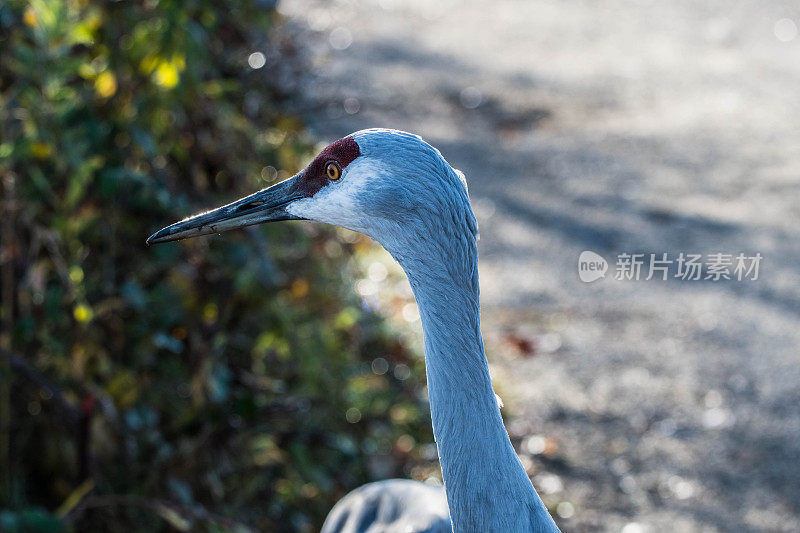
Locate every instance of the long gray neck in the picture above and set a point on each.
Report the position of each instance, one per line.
(487, 487)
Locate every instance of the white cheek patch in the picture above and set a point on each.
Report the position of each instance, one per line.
(338, 202)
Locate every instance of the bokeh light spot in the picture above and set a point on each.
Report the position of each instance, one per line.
(410, 312)
(340, 38)
(256, 60)
(471, 97)
(352, 105)
(353, 415)
(785, 30)
(565, 510)
(402, 372)
(380, 366)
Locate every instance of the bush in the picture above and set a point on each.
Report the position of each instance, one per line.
(172, 386)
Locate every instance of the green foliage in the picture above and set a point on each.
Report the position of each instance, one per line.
(221, 377)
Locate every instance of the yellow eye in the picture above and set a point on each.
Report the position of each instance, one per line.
(333, 171)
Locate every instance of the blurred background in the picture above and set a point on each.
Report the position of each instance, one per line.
(246, 383)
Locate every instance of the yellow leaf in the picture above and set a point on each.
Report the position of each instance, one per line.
(148, 64)
(30, 17)
(210, 313)
(346, 319)
(299, 288)
(166, 75)
(174, 518)
(213, 89)
(75, 498)
(122, 388)
(83, 313)
(105, 84)
(41, 150)
(86, 71)
(76, 274)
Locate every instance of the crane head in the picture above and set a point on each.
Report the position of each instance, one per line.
(388, 184)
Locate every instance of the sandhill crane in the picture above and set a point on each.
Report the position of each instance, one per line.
(399, 190)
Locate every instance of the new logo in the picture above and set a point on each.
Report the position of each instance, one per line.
(591, 266)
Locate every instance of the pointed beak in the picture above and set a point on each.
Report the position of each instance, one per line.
(267, 205)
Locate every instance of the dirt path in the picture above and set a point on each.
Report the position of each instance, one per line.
(648, 127)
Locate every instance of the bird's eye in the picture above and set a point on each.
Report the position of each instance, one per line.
(333, 171)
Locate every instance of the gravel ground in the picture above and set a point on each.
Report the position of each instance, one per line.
(612, 126)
